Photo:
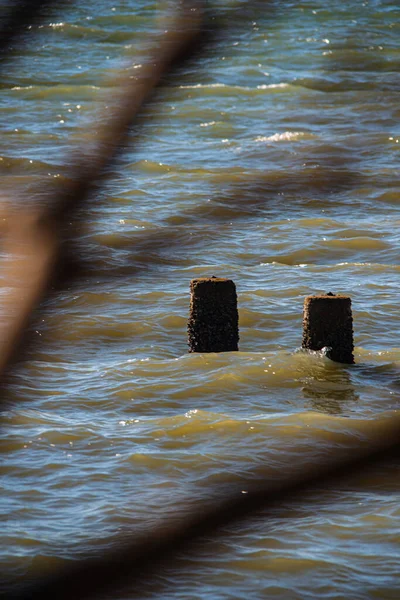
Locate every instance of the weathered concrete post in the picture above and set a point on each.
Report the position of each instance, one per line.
(328, 322)
(213, 321)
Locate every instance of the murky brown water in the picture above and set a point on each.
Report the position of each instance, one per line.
(273, 161)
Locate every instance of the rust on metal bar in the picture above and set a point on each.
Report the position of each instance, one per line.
(34, 245)
(137, 561)
(34, 240)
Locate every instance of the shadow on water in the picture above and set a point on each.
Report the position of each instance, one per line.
(278, 192)
(333, 388)
(327, 386)
(149, 564)
(384, 375)
(251, 194)
(242, 202)
(331, 394)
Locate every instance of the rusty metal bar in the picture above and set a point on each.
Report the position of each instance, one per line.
(136, 562)
(20, 15)
(33, 240)
(34, 245)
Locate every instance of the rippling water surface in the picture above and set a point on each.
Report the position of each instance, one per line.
(272, 160)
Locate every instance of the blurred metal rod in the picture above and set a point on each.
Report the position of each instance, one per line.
(20, 15)
(136, 563)
(33, 240)
(32, 250)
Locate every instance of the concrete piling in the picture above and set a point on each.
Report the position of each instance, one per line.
(213, 324)
(328, 322)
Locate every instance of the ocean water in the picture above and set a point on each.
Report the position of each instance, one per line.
(272, 159)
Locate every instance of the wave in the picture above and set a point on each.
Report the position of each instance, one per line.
(226, 89)
(287, 136)
(44, 92)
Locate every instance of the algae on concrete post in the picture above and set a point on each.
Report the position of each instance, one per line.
(328, 322)
(213, 321)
